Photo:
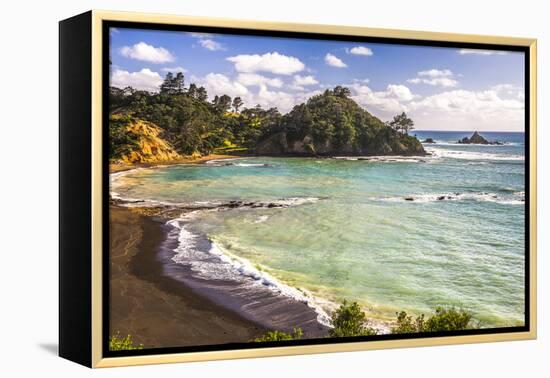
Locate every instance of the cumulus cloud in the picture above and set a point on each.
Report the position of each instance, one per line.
(480, 52)
(211, 45)
(435, 77)
(334, 61)
(145, 79)
(173, 69)
(392, 100)
(360, 50)
(250, 79)
(509, 90)
(147, 53)
(305, 80)
(219, 84)
(259, 93)
(487, 109)
(272, 62)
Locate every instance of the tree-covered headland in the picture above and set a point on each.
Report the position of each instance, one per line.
(331, 123)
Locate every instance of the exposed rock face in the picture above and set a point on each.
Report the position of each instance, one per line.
(280, 144)
(476, 139)
(428, 140)
(151, 146)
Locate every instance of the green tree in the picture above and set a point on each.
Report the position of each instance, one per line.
(202, 95)
(172, 85)
(341, 91)
(192, 91)
(401, 123)
(280, 336)
(349, 320)
(223, 103)
(237, 103)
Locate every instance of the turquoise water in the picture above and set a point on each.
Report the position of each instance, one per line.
(391, 233)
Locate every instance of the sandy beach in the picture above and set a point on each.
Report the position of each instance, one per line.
(156, 310)
(119, 167)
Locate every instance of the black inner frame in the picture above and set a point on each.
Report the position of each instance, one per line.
(106, 25)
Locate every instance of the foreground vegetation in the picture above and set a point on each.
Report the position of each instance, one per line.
(327, 123)
(348, 321)
(444, 319)
(117, 342)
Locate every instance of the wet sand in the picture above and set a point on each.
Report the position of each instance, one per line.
(155, 309)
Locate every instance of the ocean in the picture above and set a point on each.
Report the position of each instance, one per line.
(392, 233)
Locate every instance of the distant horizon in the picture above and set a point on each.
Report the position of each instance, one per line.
(467, 131)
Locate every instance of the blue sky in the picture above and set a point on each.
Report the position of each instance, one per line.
(440, 88)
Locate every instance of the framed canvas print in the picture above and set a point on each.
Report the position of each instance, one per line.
(235, 189)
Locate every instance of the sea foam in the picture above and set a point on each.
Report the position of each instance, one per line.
(215, 262)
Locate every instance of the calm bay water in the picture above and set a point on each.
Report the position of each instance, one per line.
(391, 233)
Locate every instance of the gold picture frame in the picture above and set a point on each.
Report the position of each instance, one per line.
(93, 264)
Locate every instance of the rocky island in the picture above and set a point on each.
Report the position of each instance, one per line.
(476, 138)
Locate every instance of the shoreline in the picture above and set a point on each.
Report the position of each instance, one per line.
(287, 315)
(121, 167)
(155, 309)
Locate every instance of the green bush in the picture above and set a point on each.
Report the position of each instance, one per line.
(349, 320)
(444, 319)
(448, 320)
(117, 342)
(281, 336)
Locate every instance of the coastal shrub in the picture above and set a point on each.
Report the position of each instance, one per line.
(348, 320)
(407, 324)
(448, 320)
(444, 319)
(117, 342)
(281, 336)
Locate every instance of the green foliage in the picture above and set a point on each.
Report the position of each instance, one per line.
(237, 103)
(406, 324)
(121, 141)
(117, 342)
(401, 123)
(334, 120)
(192, 124)
(448, 320)
(281, 336)
(444, 319)
(348, 320)
(172, 84)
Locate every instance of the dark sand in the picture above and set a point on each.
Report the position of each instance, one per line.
(155, 309)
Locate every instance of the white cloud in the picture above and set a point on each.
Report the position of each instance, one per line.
(480, 52)
(383, 103)
(305, 80)
(148, 53)
(211, 45)
(360, 50)
(250, 79)
(365, 81)
(435, 77)
(173, 69)
(219, 84)
(436, 73)
(144, 80)
(334, 61)
(201, 35)
(467, 110)
(272, 62)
